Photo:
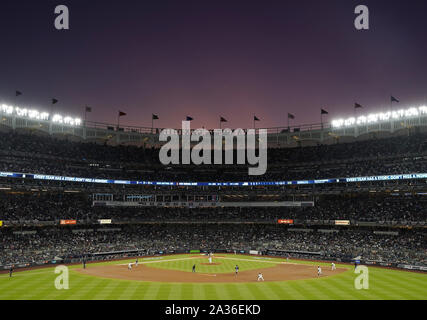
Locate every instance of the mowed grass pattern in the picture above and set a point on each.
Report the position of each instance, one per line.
(384, 284)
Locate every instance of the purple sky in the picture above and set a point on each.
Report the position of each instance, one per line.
(208, 59)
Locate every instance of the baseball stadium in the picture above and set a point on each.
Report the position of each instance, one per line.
(220, 150)
(88, 212)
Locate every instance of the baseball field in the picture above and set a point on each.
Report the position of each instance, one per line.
(171, 278)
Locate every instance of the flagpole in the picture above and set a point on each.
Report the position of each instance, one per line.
(85, 116)
(51, 107)
(16, 96)
(321, 119)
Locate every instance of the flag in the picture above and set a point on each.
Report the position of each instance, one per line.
(221, 119)
(121, 113)
(256, 119)
(54, 101)
(291, 116)
(357, 106)
(393, 99)
(189, 118)
(18, 93)
(155, 117)
(88, 109)
(323, 111)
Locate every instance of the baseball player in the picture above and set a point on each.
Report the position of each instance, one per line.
(136, 262)
(236, 269)
(130, 266)
(210, 259)
(10, 271)
(333, 266)
(194, 268)
(319, 271)
(260, 277)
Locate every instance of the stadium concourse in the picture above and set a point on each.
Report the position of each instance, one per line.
(377, 222)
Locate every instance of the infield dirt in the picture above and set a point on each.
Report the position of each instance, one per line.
(280, 272)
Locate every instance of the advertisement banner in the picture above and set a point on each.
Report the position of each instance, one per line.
(285, 221)
(342, 222)
(68, 222)
(104, 221)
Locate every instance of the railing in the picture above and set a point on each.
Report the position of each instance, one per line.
(157, 130)
(278, 136)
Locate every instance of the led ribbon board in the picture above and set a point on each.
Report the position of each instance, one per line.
(411, 176)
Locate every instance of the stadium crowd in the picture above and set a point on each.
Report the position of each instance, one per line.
(138, 228)
(52, 243)
(46, 206)
(29, 153)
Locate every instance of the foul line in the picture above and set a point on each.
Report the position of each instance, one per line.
(158, 261)
(144, 262)
(24, 273)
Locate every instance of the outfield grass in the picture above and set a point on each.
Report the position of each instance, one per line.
(384, 284)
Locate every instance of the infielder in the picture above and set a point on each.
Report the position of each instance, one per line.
(136, 262)
(237, 269)
(210, 259)
(130, 266)
(333, 266)
(319, 271)
(260, 277)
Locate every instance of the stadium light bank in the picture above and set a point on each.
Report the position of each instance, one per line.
(379, 117)
(36, 115)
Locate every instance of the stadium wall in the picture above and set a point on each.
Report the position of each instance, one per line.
(305, 135)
